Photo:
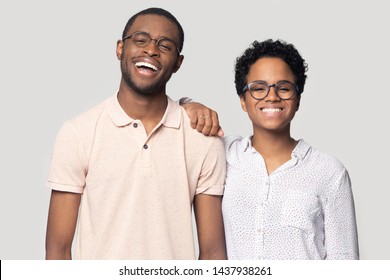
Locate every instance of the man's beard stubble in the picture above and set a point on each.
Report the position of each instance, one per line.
(148, 90)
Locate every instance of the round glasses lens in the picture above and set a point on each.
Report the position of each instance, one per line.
(166, 45)
(258, 90)
(285, 90)
(141, 39)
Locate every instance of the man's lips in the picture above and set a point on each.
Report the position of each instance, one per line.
(147, 64)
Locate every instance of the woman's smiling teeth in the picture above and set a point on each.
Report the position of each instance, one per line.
(271, 110)
(145, 64)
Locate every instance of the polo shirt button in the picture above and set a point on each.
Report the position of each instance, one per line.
(135, 125)
(145, 146)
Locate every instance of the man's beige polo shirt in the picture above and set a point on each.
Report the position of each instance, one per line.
(137, 191)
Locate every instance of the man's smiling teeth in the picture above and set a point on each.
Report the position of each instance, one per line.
(145, 64)
(271, 110)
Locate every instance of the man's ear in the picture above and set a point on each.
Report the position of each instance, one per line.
(243, 103)
(178, 63)
(119, 49)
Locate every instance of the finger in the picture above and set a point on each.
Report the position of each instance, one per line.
(214, 124)
(207, 125)
(220, 132)
(194, 119)
(201, 122)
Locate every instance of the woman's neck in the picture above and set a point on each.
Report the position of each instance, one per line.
(274, 147)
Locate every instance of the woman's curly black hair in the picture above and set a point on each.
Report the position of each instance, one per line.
(269, 48)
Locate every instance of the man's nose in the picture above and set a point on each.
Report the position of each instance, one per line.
(152, 49)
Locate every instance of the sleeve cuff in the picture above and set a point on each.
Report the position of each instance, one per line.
(65, 188)
(212, 190)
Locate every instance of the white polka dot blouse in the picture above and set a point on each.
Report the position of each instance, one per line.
(302, 210)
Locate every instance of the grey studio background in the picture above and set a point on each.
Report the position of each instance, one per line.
(57, 59)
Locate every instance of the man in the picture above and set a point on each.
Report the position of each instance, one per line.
(128, 171)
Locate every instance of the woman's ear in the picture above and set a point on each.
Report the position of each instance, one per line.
(243, 103)
(299, 102)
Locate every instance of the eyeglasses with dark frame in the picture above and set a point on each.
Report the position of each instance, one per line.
(143, 39)
(260, 89)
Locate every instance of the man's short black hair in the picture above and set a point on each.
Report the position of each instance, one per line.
(269, 48)
(159, 12)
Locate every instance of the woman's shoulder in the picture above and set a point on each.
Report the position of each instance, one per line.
(323, 160)
(235, 147)
(234, 142)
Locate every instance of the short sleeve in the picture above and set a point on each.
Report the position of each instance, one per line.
(212, 178)
(68, 165)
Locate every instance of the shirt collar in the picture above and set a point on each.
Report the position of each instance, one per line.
(247, 144)
(299, 152)
(171, 118)
(172, 115)
(301, 149)
(116, 112)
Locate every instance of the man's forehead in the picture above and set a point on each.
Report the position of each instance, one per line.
(155, 25)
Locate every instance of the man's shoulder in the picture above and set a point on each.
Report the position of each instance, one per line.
(195, 135)
(197, 143)
(83, 125)
(90, 115)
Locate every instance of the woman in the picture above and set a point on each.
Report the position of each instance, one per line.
(283, 199)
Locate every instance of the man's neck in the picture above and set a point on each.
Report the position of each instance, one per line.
(148, 109)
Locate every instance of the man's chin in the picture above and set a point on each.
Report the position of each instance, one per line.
(146, 90)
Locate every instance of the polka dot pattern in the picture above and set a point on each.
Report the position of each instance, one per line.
(303, 210)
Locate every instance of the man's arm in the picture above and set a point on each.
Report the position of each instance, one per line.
(61, 224)
(203, 119)
(209, 222)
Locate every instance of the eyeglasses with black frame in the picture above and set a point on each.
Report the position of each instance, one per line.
(143, 39)
(260, 89)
